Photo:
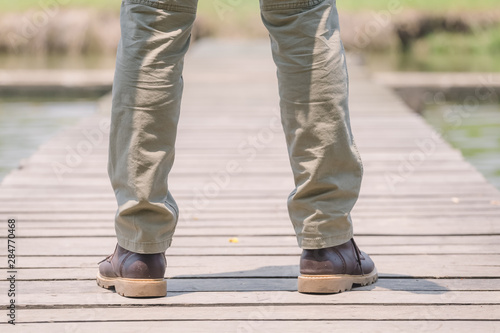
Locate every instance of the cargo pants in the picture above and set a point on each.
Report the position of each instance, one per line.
(313, 88)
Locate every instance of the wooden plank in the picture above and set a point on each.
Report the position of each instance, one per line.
(204, 230)
(381, 189)
(379, 225)
(488, 217)
(269, 249)
(269, 312)
(295, 251)
(259, 325)
(241, 181)
(414, 266)
(61, 247)
(237, 205)
(270, 284)
(226, 200)
(281, 299)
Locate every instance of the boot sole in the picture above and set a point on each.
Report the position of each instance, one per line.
(134, 287)
(332, 284)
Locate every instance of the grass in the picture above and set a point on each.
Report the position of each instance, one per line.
(251, 6)
(445, 51)
(16, 6)
(438, 51)
(427, 5)
(479, 42)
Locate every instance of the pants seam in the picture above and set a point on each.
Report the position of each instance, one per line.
(162, 5)
(127, 244)
(297, 5)
(322, 242)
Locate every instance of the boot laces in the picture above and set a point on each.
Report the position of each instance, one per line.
(358, 255)
(108, 257)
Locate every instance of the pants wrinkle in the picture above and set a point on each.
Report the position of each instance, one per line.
(313, 87)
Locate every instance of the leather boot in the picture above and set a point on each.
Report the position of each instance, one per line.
(133, 274)
(335, 269)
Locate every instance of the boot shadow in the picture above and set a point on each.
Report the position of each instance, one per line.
(284, 278)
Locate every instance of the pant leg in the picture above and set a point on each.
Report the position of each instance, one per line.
(313, 86)
(147, 93)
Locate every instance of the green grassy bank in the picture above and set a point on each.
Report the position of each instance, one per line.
(447, 34)
(207, 6)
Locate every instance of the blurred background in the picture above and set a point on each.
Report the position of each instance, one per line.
(442, 57)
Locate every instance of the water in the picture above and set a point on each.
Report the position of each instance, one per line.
(475, 131)
(25, 125)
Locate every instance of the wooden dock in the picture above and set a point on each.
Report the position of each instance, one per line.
(430, 221)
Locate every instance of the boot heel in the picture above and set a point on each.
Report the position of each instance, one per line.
(332, 284)
(323, 284)
(141, 288)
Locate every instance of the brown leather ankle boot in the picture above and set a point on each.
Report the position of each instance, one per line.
(133, 274)
(335, 269)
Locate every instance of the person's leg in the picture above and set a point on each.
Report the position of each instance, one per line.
(146, 102)
(313, 86)
(147, 93)
(314, 91)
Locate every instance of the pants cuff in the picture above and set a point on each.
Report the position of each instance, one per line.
(321, 243)
(145, 248)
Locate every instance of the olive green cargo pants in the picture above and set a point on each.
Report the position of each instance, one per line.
(313, 87)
